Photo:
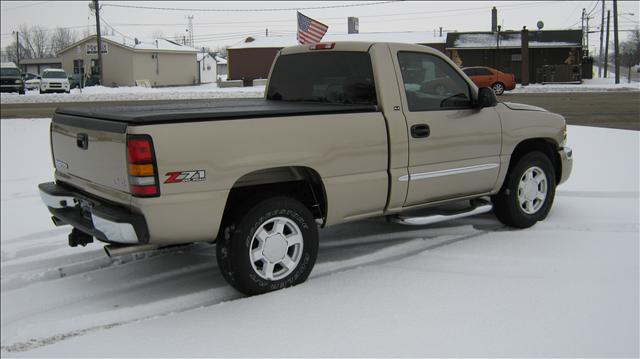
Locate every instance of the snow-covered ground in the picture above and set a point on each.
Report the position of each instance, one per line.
(133, 93)
(587, 85)
(568, 286)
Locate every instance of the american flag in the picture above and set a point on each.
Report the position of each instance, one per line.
(309, 30)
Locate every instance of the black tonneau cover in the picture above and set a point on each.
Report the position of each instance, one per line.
(216, 109)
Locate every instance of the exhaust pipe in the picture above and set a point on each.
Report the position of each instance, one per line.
(115, 250)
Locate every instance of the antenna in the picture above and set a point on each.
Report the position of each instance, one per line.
(190, 30)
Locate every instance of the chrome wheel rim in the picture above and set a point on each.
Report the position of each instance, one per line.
(276, 248)
(532, 190)
(498, 89)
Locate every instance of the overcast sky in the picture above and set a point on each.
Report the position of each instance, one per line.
(218, 28)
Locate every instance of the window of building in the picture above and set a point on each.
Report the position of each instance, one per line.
(78, 67)
(432, 84)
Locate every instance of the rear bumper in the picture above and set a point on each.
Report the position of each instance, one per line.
(93, 216)
(566, 161)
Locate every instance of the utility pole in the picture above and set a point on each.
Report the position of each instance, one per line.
(606, 47)
(17, 48)
(266, 32)
(601, 36)
(96, 8)
(587, 35)
(616, 48)
(584, 11)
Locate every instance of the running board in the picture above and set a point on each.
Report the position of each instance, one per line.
(436, 218)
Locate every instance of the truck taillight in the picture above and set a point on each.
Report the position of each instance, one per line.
(142, 167)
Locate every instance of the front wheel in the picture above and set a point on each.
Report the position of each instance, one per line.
(527, 193)
(498, 88)
(273, 246)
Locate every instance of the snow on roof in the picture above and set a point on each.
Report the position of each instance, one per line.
(507, 40)
(147, 44)
(219, 60)
(8, 64)
(201, 55)
(415, 37)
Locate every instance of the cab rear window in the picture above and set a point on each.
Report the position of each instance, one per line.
(338, 77)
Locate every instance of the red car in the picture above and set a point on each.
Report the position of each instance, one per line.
(488, 77)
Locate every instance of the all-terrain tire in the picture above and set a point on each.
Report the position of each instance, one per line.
(236, 243)
(507, 206)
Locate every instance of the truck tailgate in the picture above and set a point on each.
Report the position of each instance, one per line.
(91, 149)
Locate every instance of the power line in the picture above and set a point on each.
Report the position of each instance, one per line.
(505, 7)
(572, 12)
(22, 6)
(246, 10)
(103, 20)
(288, 22)
(594, 7)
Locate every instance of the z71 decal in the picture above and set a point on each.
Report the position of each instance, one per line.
(185, 176)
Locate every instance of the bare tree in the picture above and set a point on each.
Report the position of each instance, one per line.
(88, 31)
(157, 34)
(630, 52)
(9, 53)
(34, 41)
(179, 38)
(222, 51)
(61, 38)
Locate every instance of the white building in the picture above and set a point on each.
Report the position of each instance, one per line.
(207, 68)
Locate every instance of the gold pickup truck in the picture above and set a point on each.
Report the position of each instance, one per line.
(346, 131)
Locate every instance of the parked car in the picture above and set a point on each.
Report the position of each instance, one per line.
(54, 80)
(31, 81)
(487, 77)
(11, 78)
(347, 141)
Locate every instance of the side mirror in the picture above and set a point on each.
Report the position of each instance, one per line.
(486, 98)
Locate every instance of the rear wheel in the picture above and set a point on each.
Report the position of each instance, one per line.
(527, 193)
(498, 88)
(274, 245)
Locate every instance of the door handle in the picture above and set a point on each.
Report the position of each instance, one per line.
(420, 131)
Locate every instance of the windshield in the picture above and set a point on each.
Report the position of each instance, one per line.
(10, 71)
(332, 77)
(54, 75)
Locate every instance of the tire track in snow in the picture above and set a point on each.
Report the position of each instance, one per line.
(225, 293)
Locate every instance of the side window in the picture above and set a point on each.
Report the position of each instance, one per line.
(470, 72)
(484, 72)
(432, 84)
